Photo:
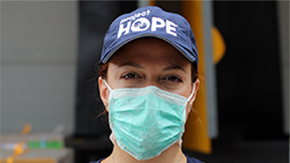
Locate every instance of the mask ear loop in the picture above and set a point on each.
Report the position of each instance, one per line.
(188, 99)
(112, 136)
(193, 90)
(107, 85)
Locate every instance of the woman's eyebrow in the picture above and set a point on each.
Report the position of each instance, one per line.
(132, 64)
(174, 68)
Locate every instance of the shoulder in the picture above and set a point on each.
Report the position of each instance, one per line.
(193, 160)
(99, 161)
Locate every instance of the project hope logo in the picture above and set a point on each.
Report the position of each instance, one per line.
(138, 22)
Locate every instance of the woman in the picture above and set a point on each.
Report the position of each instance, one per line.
(148, 83)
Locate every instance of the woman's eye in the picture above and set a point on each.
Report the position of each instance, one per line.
(173, 79)
(129, 76)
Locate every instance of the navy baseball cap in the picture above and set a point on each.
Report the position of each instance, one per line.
(150, 21)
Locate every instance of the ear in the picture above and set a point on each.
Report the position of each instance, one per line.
(104, 92)
(195, 92)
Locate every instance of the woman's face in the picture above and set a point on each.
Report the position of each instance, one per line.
(145, 62)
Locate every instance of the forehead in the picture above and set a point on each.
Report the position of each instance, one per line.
(153, 50)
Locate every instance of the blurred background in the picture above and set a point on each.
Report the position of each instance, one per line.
(49, 95)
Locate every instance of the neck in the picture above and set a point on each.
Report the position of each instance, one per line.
(171, 155)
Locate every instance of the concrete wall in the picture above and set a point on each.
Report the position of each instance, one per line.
(38, 64)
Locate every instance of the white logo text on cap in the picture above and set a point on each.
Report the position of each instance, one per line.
(142, 24)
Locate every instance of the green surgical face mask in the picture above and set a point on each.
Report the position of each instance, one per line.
(146, 121)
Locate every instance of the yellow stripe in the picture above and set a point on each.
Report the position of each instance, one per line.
(18, 150)
(196, 134)
(10, 159)
(31, 160)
